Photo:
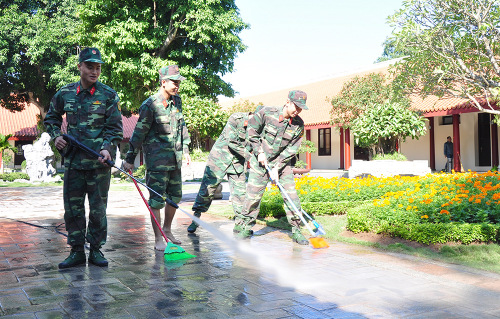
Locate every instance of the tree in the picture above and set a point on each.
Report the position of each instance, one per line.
(37, 51)
(453, 49)
(390, 52)
(383, 126)
(356, 95)
(5, 145)
(378, 116)
(243, 106)
(138, 37)
(204, 119)
(40, 41)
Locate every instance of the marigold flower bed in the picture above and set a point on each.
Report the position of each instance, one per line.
(436, 208)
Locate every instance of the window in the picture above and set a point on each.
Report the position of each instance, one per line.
(448, 120)
(325, 141)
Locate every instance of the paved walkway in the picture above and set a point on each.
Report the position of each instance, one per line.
(268, 276)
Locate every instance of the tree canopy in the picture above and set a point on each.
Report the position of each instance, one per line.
(138, 37)
(378, 116)
(356, 95)
(36, 50)
(40, 42)
(452, 49)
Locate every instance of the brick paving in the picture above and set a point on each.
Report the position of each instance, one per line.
(267, 276)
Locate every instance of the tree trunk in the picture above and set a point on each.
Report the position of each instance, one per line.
(387, 145)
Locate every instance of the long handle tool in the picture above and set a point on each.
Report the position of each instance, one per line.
(172, 252)
(319, 229)
(316, 242)
(73, 142)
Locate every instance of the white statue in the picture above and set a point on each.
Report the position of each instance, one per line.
(38, 160)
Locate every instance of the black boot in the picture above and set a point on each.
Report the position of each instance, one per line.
(75, 258)
(192, 228)
(96, 257)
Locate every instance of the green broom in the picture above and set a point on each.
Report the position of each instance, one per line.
(173, 252)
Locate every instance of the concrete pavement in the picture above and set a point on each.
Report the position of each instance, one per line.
(267, 276)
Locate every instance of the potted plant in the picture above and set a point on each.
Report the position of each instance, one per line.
(300, 166)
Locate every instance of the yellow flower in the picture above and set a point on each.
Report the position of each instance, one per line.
(424, 216)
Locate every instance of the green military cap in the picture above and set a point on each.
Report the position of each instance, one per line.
(90, 55)
(171, 72)
(298, 98)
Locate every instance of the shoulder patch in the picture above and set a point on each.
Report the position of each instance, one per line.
(105, 87)
(238, 115)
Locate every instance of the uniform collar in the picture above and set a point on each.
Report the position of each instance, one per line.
(91, 90)
(168, 101)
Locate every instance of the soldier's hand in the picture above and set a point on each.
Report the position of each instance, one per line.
(274, 174)
(60, 142)
(106, 157)
(188, 158)
(127, 166)
(262, 159)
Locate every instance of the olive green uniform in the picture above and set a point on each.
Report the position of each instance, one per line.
(163, 135)
(94, 119)
(279, 139)
(227, 157)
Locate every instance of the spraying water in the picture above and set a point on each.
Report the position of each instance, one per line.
(282, 270)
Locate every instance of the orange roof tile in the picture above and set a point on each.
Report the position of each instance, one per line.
(20, 124)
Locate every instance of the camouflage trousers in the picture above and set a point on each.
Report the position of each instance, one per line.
(212, 177)
(78, 184)
(165, 183)
(256, 185)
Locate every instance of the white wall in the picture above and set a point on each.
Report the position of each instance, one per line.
(420, 149)
(327, 162)
(416, 149)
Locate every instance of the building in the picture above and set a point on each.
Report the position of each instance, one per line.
(474, 135)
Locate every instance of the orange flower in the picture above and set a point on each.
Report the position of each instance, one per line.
(444, 211)
(424, 216)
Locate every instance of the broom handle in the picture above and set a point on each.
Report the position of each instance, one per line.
(150, 210)
(291, 202)
(73, 141)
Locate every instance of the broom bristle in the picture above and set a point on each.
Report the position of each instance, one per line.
(318, 242)
(174, 252)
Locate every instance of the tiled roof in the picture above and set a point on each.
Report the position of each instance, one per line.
(21, 124)
(320, 93)
(129, 126)
(434, 106)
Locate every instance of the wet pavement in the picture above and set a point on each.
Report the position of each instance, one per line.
(267, 276)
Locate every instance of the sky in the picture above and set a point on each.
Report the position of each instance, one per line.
(293, 42)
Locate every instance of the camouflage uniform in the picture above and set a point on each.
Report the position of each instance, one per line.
(95, 120)
(163, 135)
(228, 156)
(279, 139)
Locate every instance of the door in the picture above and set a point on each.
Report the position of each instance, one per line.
(484, 139)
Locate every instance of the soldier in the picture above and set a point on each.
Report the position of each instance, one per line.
(227, 157)
(94, 119)
(274, 135)
(163, 135)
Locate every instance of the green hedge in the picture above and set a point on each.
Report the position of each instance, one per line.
(363, 218)
(10, 177)
(273, 207)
